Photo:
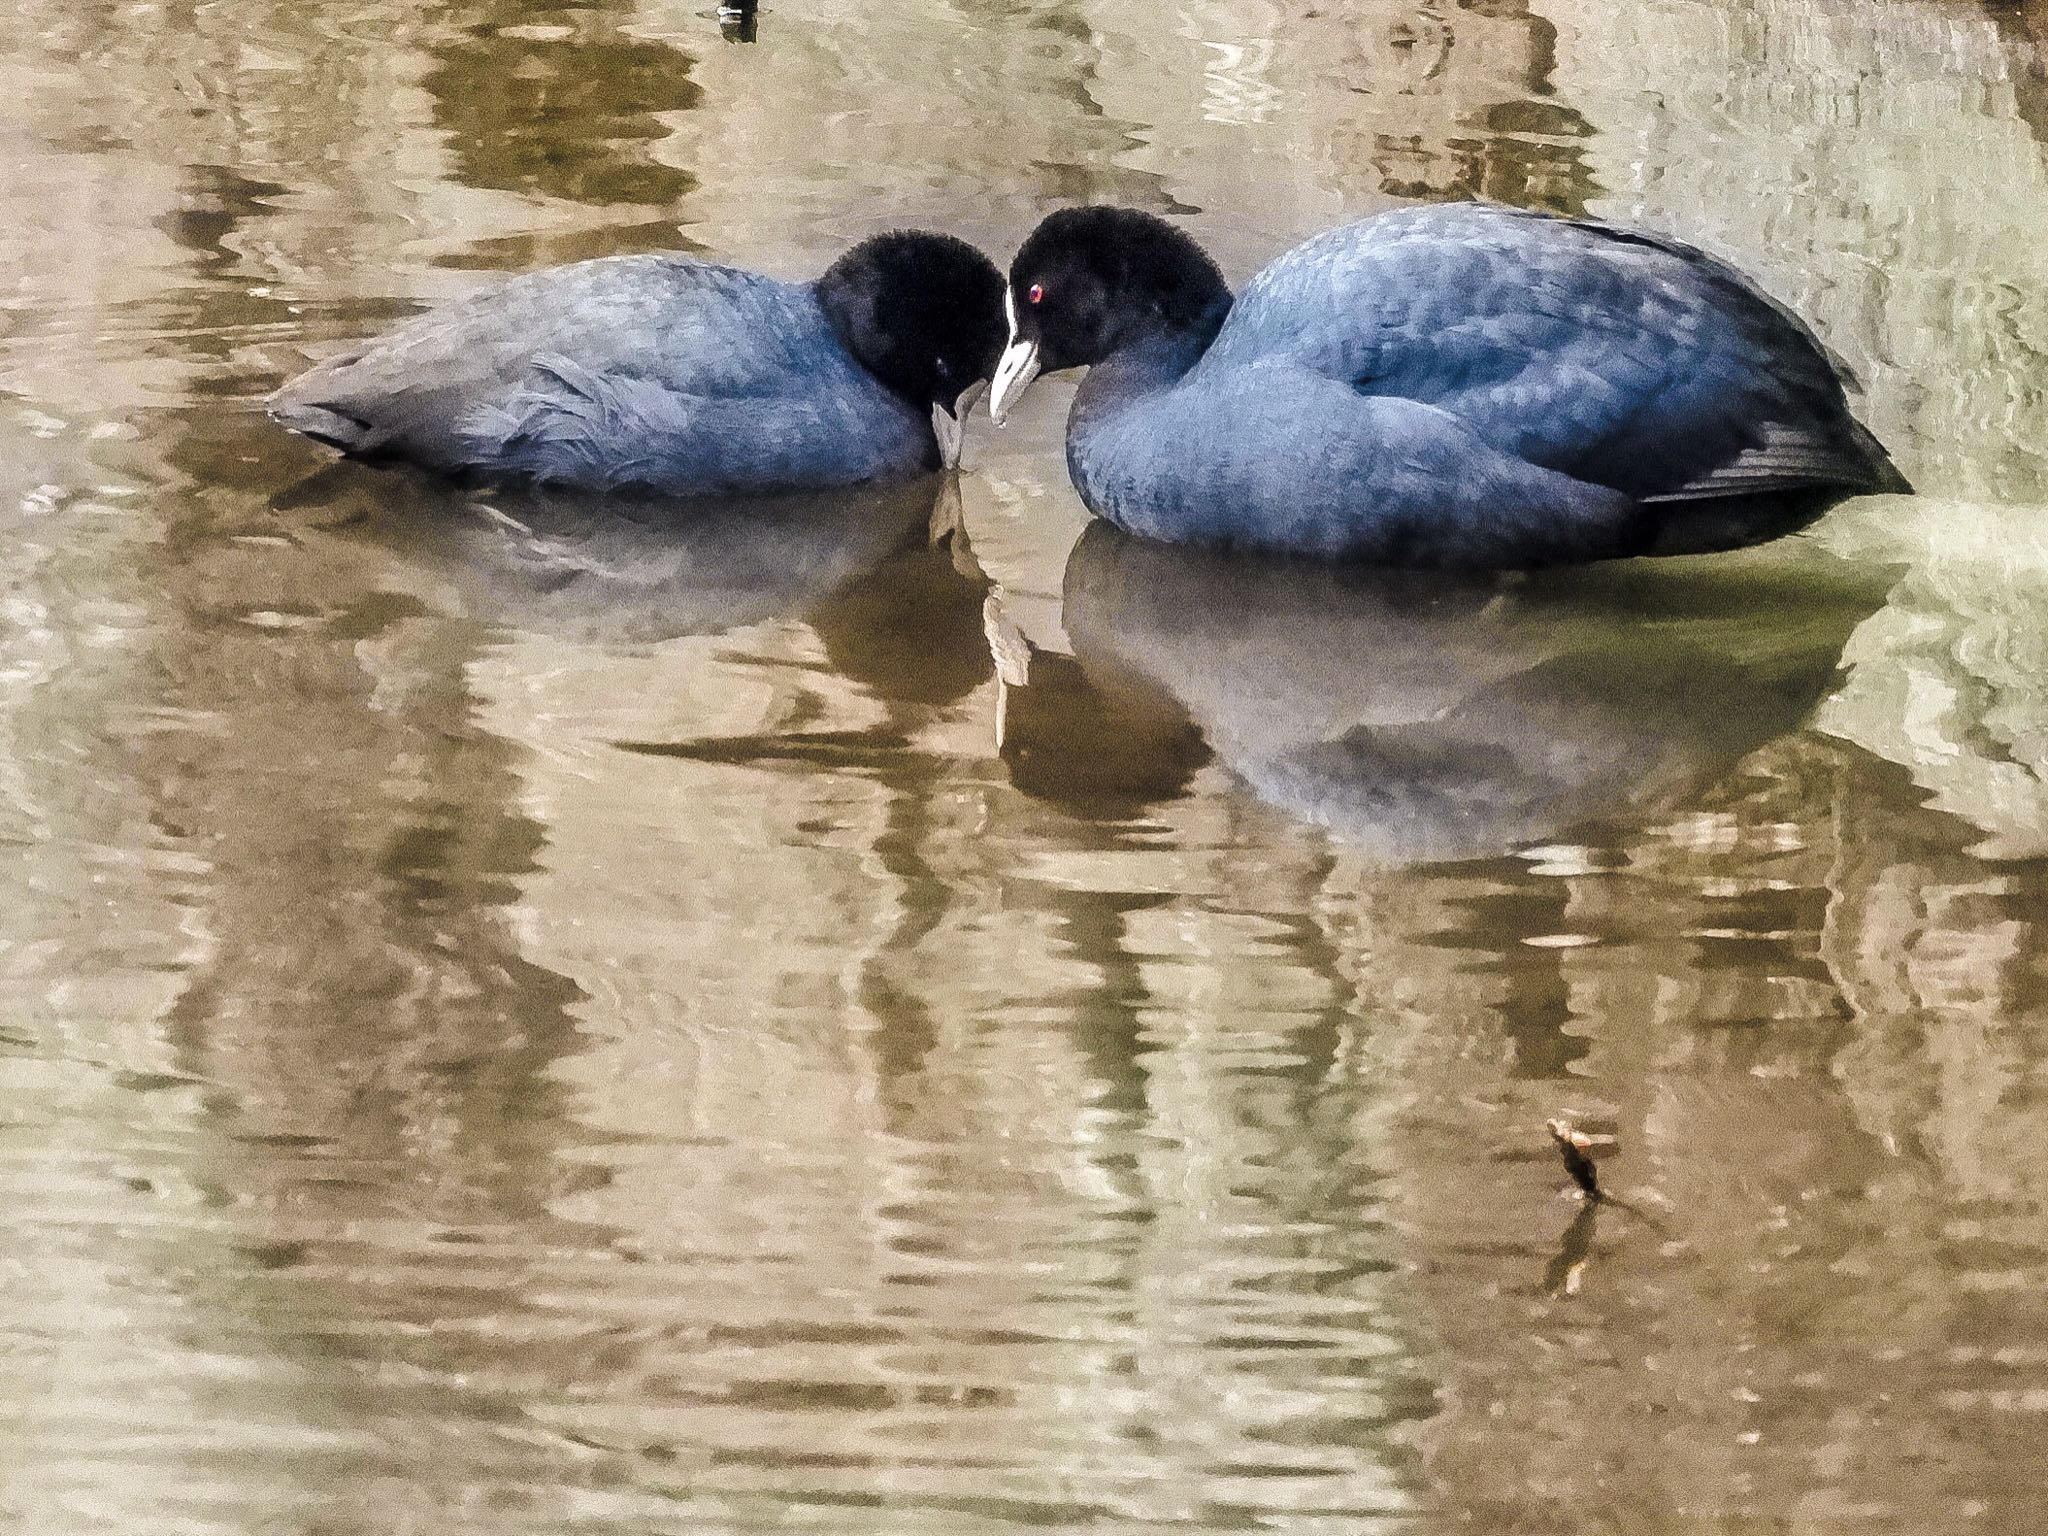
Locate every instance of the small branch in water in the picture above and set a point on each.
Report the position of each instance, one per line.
(1576, 1148)
(1567, 1271)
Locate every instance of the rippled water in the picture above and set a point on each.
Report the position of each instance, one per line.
(529, 1020)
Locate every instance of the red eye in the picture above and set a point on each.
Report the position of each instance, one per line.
(1037, 292)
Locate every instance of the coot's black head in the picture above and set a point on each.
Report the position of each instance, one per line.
(1091, 280)
(922, 312)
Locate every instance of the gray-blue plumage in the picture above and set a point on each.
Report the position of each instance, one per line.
(673, 375)
(1454, 385)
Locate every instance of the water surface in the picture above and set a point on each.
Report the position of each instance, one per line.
(528, 1018)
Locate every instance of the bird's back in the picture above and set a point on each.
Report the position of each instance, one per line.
(1619, 358)
(652, 368)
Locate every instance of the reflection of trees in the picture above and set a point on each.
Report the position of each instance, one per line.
(2023, 28)
(363, 844)
(1779, 1323)
(561, 104)
(1370, 102)
(1948, 681)
(1000, 115)
(383, 1058)
(1457, 103)
(536, 1133)
(1266, 120)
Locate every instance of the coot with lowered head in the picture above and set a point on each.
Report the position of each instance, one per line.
(676, 376)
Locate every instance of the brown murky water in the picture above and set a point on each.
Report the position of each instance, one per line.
(525, 1021)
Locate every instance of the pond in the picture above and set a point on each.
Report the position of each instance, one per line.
(938, 1020)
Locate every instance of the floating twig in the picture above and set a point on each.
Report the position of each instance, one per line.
(1576, 1148)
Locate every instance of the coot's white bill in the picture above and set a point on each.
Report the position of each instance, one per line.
(1015, 372)
(948, 424)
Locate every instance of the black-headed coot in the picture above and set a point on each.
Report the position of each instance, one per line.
(677, 376)
(1460, 385)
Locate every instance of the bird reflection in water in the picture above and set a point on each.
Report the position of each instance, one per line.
(882, 575)
(1430, 716)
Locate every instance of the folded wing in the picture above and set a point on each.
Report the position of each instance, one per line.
(564, 424)
(595, 373)
(1621, 359)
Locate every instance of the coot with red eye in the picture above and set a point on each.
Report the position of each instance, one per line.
(676, 376)
(1463, 385)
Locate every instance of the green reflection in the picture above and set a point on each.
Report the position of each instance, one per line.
(560, 104)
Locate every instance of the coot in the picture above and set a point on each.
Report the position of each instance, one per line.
(677, 376)
(1460, 385)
